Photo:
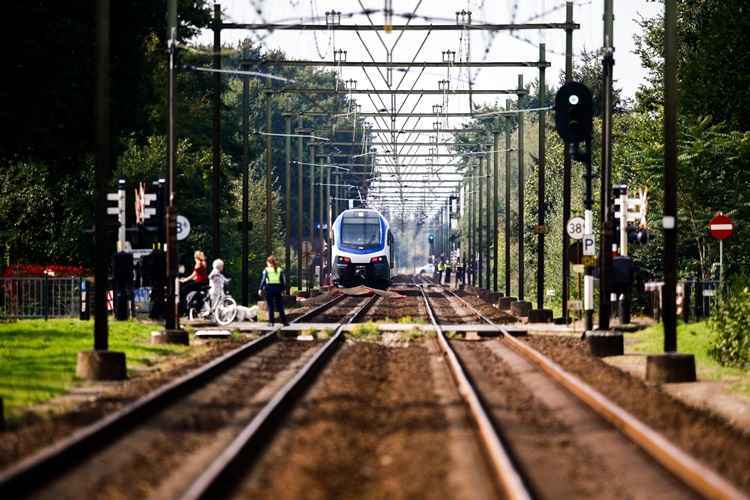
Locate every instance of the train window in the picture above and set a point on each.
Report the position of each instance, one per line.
(360, 231)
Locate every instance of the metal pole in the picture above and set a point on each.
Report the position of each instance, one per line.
(669, 221)
(521, 186)
(605, 249)
(269, 169)
(542, 204)
(245, 187)
(480, 222)
(489, 240)
(310, 284)
(172, 318)
(300, 222)
(588, 205)
(216, 143)
(472, 235)
(288, 204)
(495, 207)
(507, 199)
(567, 164)
(328, 219)
(103, 170)
(320, 218)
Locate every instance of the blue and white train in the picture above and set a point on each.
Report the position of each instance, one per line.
(362, 248)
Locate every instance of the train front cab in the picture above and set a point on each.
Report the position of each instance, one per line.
(363, 251)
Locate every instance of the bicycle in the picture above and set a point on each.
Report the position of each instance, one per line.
(224, 311)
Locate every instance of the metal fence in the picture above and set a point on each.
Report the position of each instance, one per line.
(39, 297)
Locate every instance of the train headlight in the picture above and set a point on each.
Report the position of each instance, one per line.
(377, 260)
(343, 260)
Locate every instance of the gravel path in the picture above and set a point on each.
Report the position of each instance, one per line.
(372, 426)
(706, 436)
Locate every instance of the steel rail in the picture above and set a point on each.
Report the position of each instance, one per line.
(689, 470)
(220, 478)
(34, 471)
(505, 471)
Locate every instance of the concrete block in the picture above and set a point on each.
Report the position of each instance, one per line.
(540, 316)
(101, 365)
(505, 302)
(603, 344)
(670, 367)
(520, 308)
(170, 337)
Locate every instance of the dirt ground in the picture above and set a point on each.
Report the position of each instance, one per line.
(371, 427)
(706, 436)
(90, 402)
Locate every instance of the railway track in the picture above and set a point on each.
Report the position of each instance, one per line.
(673, 473)
(50, 465)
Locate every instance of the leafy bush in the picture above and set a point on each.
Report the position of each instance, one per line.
(730, 345)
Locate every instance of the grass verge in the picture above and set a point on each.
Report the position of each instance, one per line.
(694, 338)
(38, 358)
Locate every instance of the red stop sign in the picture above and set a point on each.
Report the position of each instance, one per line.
(721, 226)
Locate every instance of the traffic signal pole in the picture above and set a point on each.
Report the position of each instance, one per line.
(605, 248)
(567, 167)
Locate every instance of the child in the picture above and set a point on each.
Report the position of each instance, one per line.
(217, 281)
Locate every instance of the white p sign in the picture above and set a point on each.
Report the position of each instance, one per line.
(589, 245)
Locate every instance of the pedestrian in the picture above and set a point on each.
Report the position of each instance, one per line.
(273, 284)
(440, 269)
(217, 281)
(198, 279)
(460, 274)
(448, 269)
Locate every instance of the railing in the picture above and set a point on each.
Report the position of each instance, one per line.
(39, 297)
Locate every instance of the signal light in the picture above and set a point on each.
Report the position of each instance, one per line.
(573, 112)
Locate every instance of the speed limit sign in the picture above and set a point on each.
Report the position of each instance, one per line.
(575, 228)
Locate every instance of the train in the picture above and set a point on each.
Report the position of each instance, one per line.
(363, 249)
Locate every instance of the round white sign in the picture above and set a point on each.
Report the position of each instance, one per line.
(183, 227)
(575, 228)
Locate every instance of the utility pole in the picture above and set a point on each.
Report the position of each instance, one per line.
(541, 208)
(288, 203)
(480, 222)
(521, 184)
(300, 179)
(269, 167)
(488, 227)
(310, 270)
(669, 292)
(216, 143)
(508, 171)
(245, 187)
(495, 206)
(567, 163)
(100, 363)
(605, 250)
(671, 366)
(320, 217)
(103, 172)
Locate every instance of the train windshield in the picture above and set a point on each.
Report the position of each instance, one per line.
(360, 231)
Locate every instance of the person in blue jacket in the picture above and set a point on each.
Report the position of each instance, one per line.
(272, 283)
